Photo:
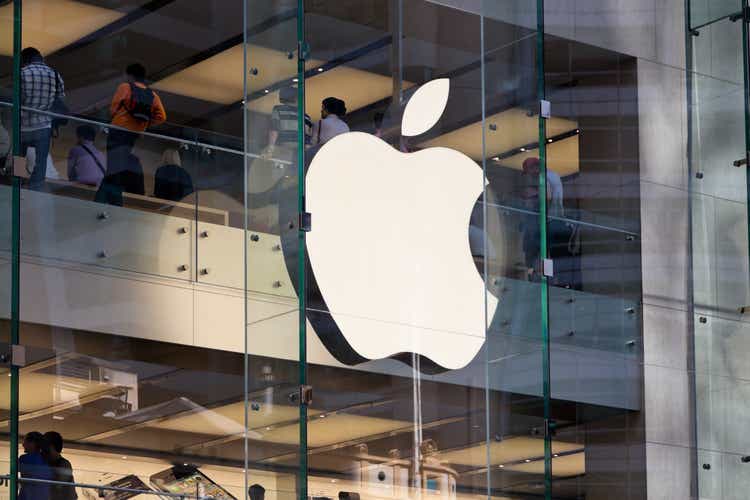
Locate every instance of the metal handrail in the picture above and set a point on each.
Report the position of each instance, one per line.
(107, 488)
(150, 134)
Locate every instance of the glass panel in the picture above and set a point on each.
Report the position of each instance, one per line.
(133, 354)
(705, 11)
(595, 293)
(720, 254)
(274, 338)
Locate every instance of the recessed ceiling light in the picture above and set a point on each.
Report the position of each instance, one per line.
(58, 417)
(497, 158)
(523, 149)
(295, 80)
(322, 415)
(320, 70)
(549, 140)
(527, 460)
(124, 457)
(500, 466)
(266, 91)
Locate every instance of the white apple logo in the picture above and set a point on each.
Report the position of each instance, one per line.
(389, 247)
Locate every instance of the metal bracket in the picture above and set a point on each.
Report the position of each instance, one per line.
(545, 109)
(18, 355)
(548, 268)
(305, 394)
(305, 221)
(744, 14)
(303, 50)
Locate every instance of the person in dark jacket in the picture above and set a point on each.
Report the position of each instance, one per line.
(62, 470)
(33, 465)
(171, 181)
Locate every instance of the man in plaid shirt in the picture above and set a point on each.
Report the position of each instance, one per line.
(40, 86)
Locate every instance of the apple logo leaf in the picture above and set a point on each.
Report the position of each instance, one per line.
(425, 107)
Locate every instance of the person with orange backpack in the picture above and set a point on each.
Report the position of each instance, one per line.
(134, 108)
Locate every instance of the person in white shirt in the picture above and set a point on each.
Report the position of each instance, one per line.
(331, 123)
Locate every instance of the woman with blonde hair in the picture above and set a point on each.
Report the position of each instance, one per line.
(171, 181)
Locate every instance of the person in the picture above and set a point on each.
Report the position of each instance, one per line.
(283, 130)
(33, 465)
(62, 470)
(377, 124)
(531, 168)
(331, 123)
(530, 225)
(256, 492)
(171, 181)
(270, 181)
(40, 87)
(134, 108)
(85, 161)
(5, 148)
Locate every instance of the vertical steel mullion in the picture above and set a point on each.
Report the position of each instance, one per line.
(301, 268)
(746, 80)
(15, 305)
(543, 252)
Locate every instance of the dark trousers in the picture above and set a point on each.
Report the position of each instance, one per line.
(120, 145)
(40, 141)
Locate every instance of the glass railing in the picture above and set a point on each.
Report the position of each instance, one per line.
(180, 214)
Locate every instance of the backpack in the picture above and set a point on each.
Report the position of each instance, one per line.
(141, 102)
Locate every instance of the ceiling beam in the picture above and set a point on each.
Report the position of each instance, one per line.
(113, 27)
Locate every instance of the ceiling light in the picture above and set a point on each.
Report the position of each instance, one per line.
(497, 158)
(549, 140)
(295, 80)
(523, 149)
(322, 415)
(556, 455)
(320, 70)
(58, 417)
(500, 466)
(266, 91)
(527, 460)
(124, 457)
(578, 131)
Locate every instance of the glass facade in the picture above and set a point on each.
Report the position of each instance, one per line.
(375, 249)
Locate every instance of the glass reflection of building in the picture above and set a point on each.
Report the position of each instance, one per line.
(201, 339)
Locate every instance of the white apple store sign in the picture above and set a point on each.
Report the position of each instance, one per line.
(390, 248)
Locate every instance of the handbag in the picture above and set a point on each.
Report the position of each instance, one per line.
(58, 105)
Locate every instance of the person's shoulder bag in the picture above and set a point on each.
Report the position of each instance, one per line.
(98, 163)
(58, 105)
